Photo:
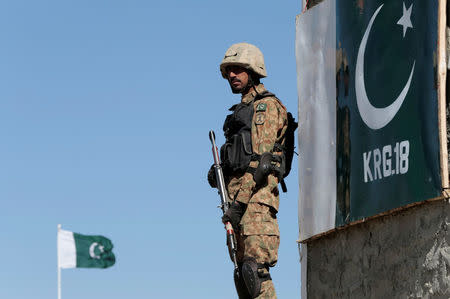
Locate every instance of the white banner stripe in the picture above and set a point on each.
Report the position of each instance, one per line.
(67, 251)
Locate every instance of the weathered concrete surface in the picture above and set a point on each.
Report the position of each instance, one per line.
(406, 255)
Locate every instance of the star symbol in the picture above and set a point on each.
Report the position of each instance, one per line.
(405, 20)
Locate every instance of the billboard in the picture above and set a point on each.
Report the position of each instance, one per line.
(368, 110)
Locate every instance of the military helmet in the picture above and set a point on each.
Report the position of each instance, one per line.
(245, 55)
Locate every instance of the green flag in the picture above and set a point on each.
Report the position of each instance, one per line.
(82, 251)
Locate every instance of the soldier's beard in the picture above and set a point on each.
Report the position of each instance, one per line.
(244, 89)
(238, 90)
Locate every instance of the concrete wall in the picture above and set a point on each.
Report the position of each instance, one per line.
(406, 255)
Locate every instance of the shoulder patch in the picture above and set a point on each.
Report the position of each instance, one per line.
(261, 107)
(260, 118)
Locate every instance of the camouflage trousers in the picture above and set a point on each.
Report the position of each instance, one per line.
(259, 238)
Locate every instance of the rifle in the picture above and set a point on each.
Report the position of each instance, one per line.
(231, 238)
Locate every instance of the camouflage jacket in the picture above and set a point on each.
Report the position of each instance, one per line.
(268, 128)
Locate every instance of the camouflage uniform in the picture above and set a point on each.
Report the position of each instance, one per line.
(258, 234)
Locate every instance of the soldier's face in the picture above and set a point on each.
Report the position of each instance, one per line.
(238, 78)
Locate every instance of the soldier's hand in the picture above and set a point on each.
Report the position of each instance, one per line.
(234, 214)
(212, 177)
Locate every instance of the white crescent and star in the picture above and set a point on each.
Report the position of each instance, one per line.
(377, 118)
(92, 250)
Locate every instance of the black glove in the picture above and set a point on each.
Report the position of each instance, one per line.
(212, 177)
(234, 214)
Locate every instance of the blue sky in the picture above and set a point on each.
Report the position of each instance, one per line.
(104, 115)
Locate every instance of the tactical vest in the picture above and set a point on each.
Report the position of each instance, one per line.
(237, 152)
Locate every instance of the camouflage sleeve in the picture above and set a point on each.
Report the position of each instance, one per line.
(268, 126)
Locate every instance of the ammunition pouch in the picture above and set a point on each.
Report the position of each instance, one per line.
(236, 153)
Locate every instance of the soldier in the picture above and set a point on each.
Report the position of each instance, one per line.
(252, 161)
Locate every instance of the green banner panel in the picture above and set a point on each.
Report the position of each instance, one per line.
(387, 128)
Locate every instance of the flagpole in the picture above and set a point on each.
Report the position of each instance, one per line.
(59, 268)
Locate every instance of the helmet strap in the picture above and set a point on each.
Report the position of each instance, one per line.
(252, 82)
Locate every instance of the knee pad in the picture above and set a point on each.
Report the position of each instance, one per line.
(239, 282)
(252, 277)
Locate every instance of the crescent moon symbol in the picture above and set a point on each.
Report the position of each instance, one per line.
(91, 250)
(375, 118)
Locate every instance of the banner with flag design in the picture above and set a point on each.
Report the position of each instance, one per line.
(367, 71)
